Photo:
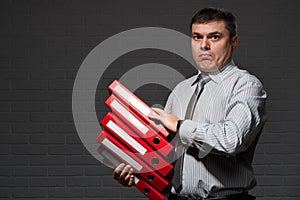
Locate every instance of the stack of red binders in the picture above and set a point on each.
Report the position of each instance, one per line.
(129, 136)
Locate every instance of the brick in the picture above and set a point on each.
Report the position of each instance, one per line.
(29, 192)
(291, 159)
(29, 85)
(29, 107)
(48, 96)
(131, 193)
(73, 139)
(29, 171)
(16, 96)
(47, 139)
(65, 171)
(291, 138)
(264, 160)
(5, 85)
(14, 117)
(5, 171)
(46, 117)
(61, 128)
(269, 180)
(66, 149)
(66, 192)
(5, 128)
(270, 138)
(99, 170)
(282, 149)
(279, 127)
(48, 75)
(5, 192)
(42, 30)
(5, 107)
(65, 19)
(13, 182)
(47, 182)
(61, 85)
(291, 181)
(259, 170)
(13, 139)
(282, 170)
(260, 149)
(25, 41)
(37, 160)
(109, 181)
(103, 192)
(29, 149)
(282, 192)
(81, 160)
(29, 128)
(13, 75)
(60, 107)
(62, 42)
(275, 116)
(4, 149)
(13, 160)
(22, 62)
(84, 181)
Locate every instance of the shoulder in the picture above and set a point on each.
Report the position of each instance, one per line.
(246, 84)
(242, 77)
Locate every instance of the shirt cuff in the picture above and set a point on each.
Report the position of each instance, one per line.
(190, 131)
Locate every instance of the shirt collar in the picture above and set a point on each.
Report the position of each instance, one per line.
(217, 76)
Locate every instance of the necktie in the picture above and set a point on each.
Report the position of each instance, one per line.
(201, 81)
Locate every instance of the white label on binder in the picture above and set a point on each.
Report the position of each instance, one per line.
(111, 158)
(126, 114)
(136, 103)
(121, 153)
(126, 137)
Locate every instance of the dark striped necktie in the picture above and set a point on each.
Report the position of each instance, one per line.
(201, 80)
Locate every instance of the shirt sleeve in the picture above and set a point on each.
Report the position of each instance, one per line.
(244, 117)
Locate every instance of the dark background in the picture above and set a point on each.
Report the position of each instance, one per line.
(43, 44)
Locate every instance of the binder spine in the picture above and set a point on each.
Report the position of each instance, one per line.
(119, 150)
(144, 131)
(136, 104)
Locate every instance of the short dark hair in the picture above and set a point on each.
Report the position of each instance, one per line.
(207, 15)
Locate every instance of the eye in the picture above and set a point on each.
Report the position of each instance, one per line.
(215, 37)
(197, 37)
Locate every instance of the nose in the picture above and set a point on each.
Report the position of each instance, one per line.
(204, 45)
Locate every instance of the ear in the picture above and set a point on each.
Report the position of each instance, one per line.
(234, 41)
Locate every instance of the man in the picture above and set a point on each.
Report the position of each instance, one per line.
(220, 125)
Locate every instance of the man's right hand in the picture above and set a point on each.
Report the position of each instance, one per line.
(124, 175)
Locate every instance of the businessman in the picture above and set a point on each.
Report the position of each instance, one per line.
(217, 115)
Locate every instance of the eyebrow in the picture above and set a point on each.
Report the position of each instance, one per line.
(212, 33)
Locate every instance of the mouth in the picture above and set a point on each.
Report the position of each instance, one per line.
(205, 56)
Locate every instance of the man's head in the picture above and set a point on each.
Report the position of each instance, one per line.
(214, 38)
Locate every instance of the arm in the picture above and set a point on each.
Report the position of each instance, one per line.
(243, 119)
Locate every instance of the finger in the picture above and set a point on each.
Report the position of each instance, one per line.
(158, 110)
(155, 115)
(124, 172)
(118, 171)
(131, 181)
(128, 176)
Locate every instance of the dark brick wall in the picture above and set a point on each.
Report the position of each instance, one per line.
(43, 44)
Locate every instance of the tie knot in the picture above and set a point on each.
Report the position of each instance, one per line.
(203, 79)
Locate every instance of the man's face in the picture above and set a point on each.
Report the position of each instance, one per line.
(212, 46)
